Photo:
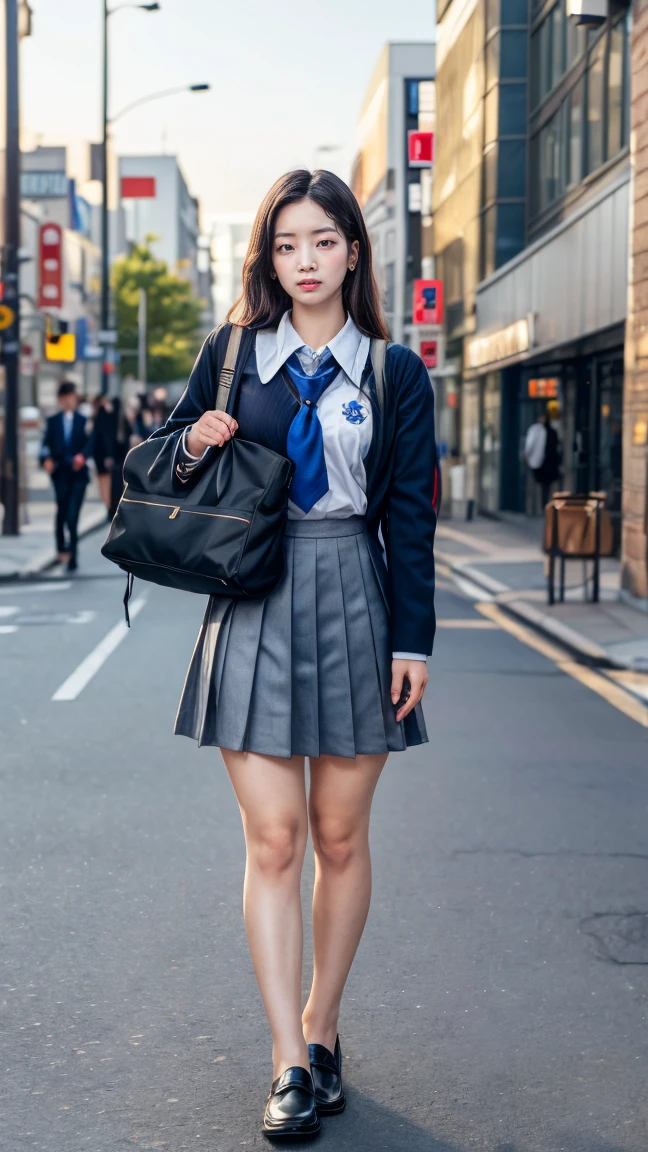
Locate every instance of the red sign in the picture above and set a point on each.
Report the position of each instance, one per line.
(50, 266)
(420, 149)
(428, 302)
(429, 353)
(138, 187)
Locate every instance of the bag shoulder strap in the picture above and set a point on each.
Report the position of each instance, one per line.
(378, 352)
(229, 367)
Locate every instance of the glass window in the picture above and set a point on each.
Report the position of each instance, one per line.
(513, 109)
(575, 115)
(541, 62)
(510, 232)
(575, 42)
(551, 180)
(615, 125)
(512, 169)
(514, 12)
(514, 55)
(557, 19)
(595, 75)
(412, 97)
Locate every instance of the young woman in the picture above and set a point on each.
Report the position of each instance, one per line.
(332, 665)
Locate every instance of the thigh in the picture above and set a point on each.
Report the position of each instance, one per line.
(341, 791)
(271, 791)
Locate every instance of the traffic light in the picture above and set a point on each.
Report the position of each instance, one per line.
(60, 345)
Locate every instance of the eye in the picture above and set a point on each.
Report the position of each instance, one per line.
(284, 247)
(328, 243)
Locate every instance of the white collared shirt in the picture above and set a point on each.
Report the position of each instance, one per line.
(344, 413)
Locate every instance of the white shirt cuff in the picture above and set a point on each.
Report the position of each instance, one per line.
(186, 450)
(408, 656)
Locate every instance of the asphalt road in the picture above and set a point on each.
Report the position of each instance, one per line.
(491, 1005)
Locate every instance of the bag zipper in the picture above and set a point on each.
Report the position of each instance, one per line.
(178, 508)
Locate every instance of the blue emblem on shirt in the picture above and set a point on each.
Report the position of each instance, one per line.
(354, 412)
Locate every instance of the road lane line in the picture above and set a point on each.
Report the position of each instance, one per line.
(74, 685)
(472, 591)
(482, 624)
(591, 679)
(26, 586)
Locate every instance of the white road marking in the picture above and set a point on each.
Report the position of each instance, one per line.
(52, 586)
(472, 590)
(5, 610)
(5, 629)
(74, 685)
(484, 625)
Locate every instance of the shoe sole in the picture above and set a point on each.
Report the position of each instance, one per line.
(331, 1109)
(291, 1133)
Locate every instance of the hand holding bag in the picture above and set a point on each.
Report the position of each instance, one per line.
(221, 535)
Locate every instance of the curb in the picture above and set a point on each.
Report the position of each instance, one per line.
(46, 559)
(585, 651)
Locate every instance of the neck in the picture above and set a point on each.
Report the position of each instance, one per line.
(318, 325)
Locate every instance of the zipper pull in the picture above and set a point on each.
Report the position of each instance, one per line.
(175, 512)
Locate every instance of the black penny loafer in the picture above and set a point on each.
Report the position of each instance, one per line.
(326, 1070)
(291, 1110)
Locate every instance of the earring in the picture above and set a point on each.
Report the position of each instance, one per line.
(351, 267)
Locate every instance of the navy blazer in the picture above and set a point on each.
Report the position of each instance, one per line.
(400, 469)
(55, 448)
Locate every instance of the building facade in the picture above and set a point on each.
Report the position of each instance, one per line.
(396, 198)
(154, 200)
(545, 319)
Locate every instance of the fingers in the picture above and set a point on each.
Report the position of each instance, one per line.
(215, 428)
(416, 673)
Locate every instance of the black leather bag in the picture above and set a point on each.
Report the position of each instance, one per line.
(222, 535)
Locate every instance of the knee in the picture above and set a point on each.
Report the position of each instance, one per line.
(335, 843)
(275, 849)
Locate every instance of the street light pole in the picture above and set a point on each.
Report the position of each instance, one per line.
(105, 255)
(11, 335)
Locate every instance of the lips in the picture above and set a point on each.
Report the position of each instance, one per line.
(308, 285)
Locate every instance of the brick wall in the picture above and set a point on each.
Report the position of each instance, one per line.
(635, 403)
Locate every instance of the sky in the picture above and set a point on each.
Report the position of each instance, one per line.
(287, 76)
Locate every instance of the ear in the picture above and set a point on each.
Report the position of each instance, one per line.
(354, 253)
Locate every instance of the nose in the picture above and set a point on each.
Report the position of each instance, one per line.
(306, 260)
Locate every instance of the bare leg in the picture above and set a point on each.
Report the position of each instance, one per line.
(104, 480)
(272, 797)
(341, 792)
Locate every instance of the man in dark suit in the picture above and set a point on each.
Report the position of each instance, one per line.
(65, 449)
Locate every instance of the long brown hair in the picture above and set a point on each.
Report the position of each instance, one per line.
(263, 300)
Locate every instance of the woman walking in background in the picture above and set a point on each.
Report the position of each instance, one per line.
(332, 664)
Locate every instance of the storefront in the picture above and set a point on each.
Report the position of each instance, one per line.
(550, 326)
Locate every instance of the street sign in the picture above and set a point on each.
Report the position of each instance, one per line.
(106, 336)
(138, 188)
(429, 353)
(50, 266)
(7, 317)
(428, 302)
(420, 149)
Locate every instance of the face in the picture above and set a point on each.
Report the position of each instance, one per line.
(310, 255)
(69, 402)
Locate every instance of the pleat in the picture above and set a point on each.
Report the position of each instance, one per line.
(336, 736)
(394, 734)
(365, 694)
(269, 714)
(238, 670)
(305, 726)
(193, 711)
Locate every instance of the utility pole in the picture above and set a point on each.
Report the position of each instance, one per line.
(141, 336)
(11, 298)
(105, 255)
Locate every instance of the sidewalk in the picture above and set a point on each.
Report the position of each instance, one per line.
(34, 550)
(503, 561)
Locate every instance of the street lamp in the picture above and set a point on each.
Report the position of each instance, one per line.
(105, 258)
(158, 96)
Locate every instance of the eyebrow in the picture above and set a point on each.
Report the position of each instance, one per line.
(315, 232)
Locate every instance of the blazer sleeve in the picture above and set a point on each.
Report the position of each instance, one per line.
(411, 519)
(46, 449)
(199, 396)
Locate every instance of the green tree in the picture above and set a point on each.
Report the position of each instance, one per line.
(173, 316)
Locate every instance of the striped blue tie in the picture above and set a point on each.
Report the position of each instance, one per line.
(305, 440)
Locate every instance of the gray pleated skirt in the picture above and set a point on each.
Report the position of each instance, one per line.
(307, 671)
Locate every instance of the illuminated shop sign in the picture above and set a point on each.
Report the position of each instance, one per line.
(500, 345)
(544, 388)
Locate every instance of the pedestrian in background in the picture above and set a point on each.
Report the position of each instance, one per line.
(105, 446)
(322, 668)
(65, 449)
(542, 450)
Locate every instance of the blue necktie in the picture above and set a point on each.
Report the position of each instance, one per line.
(305, 440)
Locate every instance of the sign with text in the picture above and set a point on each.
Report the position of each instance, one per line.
(43, 185)
(50, 266)
(543, 388)
(427, 307)
(138, 188)
(429, 353)
(420, 149)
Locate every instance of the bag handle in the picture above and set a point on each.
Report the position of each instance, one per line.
(229, 365)
(377, 352)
